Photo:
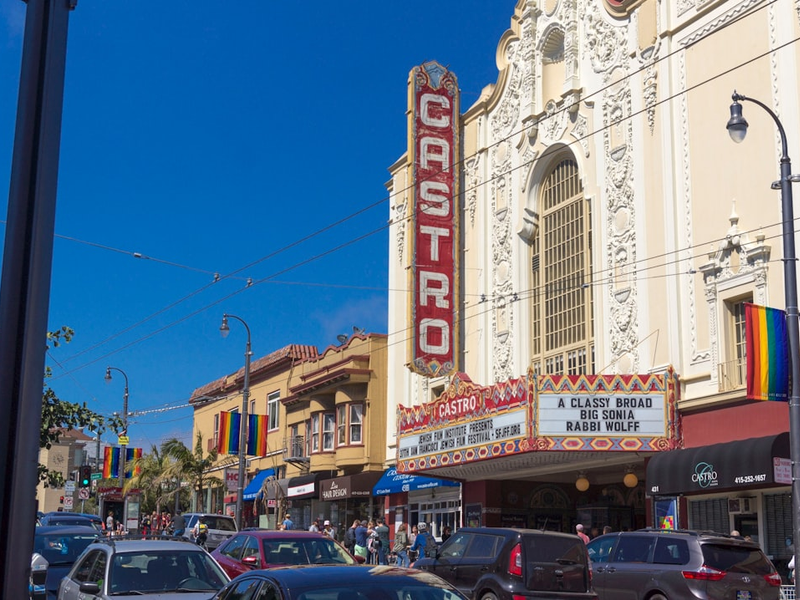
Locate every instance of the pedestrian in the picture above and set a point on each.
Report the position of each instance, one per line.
(178, 524)
(360, 548)
(607, 529)
(412, 536)
(110, 523)
(314, 526)
(200, 532)
(446, 533)
(401, 544)
(287, 522)
(350, 537)
(372, 543)
(579, 531)
(146, 524)
(424, 544)
(382, 531)
(327, 529)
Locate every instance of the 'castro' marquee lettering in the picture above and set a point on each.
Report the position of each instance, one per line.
(435, 146)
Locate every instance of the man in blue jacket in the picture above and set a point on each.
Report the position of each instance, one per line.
(424, 543)
(361, 539)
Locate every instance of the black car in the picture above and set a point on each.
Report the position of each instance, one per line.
(66, 519)
(347, 582)
(654, 564)
(498, 563)
(59, 547)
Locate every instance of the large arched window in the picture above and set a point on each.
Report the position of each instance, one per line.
(562, 327)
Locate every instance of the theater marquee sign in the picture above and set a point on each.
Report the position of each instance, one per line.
(434, 151)
(469, 423)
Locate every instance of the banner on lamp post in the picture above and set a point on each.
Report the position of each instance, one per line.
(232, 479)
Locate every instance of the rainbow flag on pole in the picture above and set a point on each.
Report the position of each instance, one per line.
(110, 462)
(257, 435)
(767, 353)
(228, 437)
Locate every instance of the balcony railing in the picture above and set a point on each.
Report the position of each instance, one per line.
(733, 375)
(294, 449)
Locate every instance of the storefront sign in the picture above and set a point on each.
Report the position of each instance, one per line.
(602, 414)
(232, 479)
(434, 152)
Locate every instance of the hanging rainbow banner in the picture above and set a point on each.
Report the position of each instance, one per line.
(111, 459)
(767, 353)
(257, 435)
(228, 438)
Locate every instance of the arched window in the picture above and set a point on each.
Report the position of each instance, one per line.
(562, 327)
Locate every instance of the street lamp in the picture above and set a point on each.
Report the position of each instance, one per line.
(225, 330)
(737, 127)
(123, 450)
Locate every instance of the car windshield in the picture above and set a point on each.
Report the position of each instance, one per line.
(62, 548)
(314, 551)
(164, 571)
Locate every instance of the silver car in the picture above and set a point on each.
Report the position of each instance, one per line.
(220, 527)
(144, 568)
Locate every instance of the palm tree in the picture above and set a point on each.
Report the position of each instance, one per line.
(191, 466)
(152, 479)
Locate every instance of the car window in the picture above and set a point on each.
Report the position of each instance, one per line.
(600, 548)
(98, 573)
(268, 592)
(244, 590)
(737, 559)
(455, 546)
(634, 548)
(221, 524)
(251, 549)
(483, 546)
(233, 549)
(62, 549)
(84, 568)
(670, 551)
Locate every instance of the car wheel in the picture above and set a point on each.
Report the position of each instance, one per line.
(488, 596)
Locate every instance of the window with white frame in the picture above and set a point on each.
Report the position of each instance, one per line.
(216, 430)
(356, 423)
(273, 410)
(329, 427)
(315, 433)
(341, 425)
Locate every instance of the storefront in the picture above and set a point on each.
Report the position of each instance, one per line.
(741, 485)
(348, 498)
(303, 498)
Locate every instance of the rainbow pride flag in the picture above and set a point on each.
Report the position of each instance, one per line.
(132, 455)
(257, 435)
(111, 460)
(767, 353)
(228, 437)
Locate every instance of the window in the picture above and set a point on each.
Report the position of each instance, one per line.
(634, 548)
(329, 424)
(296, 443)
(315, 433)
(234, 548)
(733, 371)
(308, 438)
(252, 408)
(273, 410)
(356, 422)
(216, 430)
(562, 328)
(341, 425)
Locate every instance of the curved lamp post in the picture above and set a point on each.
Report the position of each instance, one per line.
(737, 127)
(123, 450)
(225, 330)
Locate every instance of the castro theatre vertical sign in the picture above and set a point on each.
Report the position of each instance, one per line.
(434, 152)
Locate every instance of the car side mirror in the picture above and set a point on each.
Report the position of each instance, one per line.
(90, 587)
(250, 561)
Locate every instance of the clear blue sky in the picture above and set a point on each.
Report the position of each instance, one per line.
(209, 136)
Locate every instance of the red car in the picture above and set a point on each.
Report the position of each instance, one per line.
(264, 548)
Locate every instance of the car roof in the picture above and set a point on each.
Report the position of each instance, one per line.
(286, 534)
(299, 576)
(509, 531)
(65, 530)
(126, 545)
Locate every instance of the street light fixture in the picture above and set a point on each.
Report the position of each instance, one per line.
(225, 330)
(123, 450)
(737, 127)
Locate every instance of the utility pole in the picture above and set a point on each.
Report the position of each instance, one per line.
(25, 282)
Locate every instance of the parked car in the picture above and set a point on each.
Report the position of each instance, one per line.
(144, 567)
(657, 564)
(499, 563)
(263, 549)
(220, 527)
(55, 550)
(351, 582)
(71, 520)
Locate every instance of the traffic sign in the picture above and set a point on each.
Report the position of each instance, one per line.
(97, 476)
(67, 502)
(69, 486)
(83, 493)
(123, 440)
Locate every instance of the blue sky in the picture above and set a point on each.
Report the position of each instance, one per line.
(210, 137)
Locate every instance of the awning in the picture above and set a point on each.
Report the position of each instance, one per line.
(754, 462)
(306, 486)
(392, 482)
(358, 485)
(253, 489)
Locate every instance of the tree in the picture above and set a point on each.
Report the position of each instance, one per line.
(59, 415)
(156, 487)
(191, 466)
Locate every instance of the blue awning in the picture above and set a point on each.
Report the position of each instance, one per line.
(253, 489)
(392, 482)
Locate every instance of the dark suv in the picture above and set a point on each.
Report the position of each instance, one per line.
(498, 563)
(657, 564)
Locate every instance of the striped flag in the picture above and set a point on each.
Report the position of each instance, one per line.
(228, 438)
(131, 455)
(767, 353)
(111, 460)
(257, 435)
